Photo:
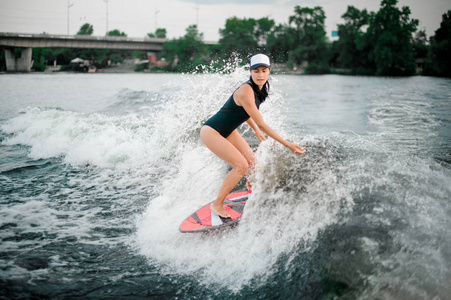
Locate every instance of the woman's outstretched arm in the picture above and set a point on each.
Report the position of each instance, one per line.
(244, 96)
(261, 137)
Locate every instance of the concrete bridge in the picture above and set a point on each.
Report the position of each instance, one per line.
(9, 41)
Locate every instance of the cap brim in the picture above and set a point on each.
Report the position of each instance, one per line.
(260, 65)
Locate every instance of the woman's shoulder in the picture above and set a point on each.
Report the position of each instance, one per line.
(243, 93)
(244, 90)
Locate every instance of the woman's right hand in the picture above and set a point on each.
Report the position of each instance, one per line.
(261, 137)
(296, 148)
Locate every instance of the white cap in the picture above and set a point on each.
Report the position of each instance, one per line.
(259, 60)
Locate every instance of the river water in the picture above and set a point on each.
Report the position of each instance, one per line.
(98, 170)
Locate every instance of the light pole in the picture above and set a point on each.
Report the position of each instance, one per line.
(197, 15)
(68, 6)
(106, 1)
(156, 13)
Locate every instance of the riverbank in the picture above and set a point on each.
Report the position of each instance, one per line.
(276, 68)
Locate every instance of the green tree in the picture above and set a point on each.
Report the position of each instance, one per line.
(38, 59)
(238, 37)
(420, 44)
(310, 42)
(280, 42)
(2, 60)
(420, 48)
(390, 32)
(440, 60)
(352, 47)
(86, 29)
(97, 56)
(245, 37)
(187, 52)
(114, 56)
(159, 33)
(262, 29)
(116, 32)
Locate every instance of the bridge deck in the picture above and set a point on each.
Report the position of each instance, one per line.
(12, 40)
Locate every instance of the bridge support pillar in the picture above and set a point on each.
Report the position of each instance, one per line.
(18, 64)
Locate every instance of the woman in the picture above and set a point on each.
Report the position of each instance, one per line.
(221, 136)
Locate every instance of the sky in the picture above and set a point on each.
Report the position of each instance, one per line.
(138, 17)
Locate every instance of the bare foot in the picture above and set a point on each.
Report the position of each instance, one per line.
(219, 210)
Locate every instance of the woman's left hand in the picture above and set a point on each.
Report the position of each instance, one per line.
(296, 148)
(261, 137)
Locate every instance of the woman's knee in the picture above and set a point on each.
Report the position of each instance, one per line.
(251, 159)
(241, 166)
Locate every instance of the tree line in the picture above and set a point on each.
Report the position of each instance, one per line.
(384, 43)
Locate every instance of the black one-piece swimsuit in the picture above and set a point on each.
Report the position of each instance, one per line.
(230, 116)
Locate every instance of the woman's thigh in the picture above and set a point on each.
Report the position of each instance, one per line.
(242, 146)
(222, 147)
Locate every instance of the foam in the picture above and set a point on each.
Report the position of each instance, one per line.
(81, 138)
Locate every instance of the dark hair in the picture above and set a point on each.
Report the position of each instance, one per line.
(262, 94)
